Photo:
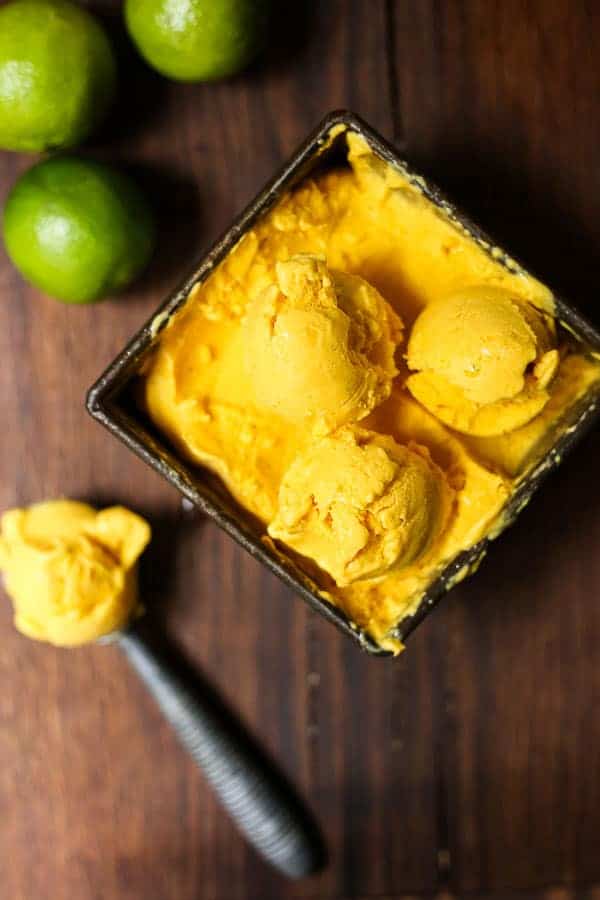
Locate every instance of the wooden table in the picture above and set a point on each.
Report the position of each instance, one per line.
(470, 764)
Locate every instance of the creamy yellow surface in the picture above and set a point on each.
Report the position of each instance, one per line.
(71, 571)
(319, 345)
(484, 360)
(367, 221)
(359, 504)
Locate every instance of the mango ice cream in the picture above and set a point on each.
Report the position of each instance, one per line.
(368, 381)
(71, 571)
(359, 504)
(319, 345)
(484, 359)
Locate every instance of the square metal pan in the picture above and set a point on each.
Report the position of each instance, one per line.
(109, 399)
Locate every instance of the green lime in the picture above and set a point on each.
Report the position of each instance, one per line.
(197, 40)
(77, 229)
(57, 74)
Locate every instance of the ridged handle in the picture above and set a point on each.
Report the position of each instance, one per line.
(258, 800)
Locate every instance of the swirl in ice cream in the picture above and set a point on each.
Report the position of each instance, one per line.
(360, 504)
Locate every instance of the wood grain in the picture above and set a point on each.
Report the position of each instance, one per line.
(473, 762)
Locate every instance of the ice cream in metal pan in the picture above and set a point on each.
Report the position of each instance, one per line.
(377, 387)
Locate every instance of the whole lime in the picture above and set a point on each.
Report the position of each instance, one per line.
(197, 40)
(77, 229)
(57, 74)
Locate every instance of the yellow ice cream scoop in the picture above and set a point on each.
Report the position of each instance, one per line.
(360, 504)
(70, 570)
(483, 360)
(319, 344)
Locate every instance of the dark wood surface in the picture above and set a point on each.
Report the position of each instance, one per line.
(470, 764)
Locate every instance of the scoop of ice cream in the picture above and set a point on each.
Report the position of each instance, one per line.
(71, 571)
(320, 344)
(359, 504)
(483, 360)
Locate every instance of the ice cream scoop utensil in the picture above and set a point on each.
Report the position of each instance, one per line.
(257, 798)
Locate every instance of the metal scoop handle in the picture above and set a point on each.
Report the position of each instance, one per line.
(259, 801)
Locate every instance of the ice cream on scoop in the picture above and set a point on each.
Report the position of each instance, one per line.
(320, 344)
(360, 504)
(483, 360)
(70, 570)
